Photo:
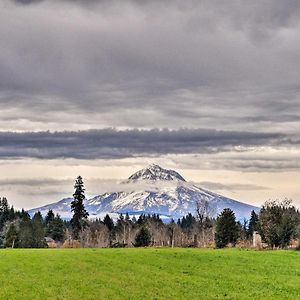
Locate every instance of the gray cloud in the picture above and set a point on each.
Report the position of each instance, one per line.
(259, 159)
(111, 143)
(232, 187)
(233, 66)
(35, 182)
(148, 64)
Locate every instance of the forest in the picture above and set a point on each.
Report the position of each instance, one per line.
(278, 224)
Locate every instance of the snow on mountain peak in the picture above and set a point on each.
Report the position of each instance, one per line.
(155, 172)
(152, 190)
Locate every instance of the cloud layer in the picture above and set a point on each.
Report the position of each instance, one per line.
(231, 68)
(111, 143)
(94, 64)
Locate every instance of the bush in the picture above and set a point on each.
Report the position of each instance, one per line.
(143, 238)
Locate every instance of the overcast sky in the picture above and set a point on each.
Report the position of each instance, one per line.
(103, 88)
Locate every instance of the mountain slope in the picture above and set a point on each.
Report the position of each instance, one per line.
(153, 190)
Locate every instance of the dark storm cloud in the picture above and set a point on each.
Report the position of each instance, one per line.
(216, 64)
(110, 143)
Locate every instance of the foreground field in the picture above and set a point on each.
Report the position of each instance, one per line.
(149, 274)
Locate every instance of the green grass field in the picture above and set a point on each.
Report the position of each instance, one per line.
(149, 274)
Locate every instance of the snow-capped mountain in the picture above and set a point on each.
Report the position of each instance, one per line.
(152, 190)
(155, 172)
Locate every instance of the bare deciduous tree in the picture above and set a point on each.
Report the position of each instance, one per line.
(205, 212)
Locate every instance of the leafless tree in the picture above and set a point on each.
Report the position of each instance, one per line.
(205, 212)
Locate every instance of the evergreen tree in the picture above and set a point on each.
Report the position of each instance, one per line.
(23, 214)
(57, 229)
(188, 221)
(227, 230)
(25, 232)
(11, 239)
(108, 222)
(141, 220)
(143, 238)
(38, 231)
(277, 223)
(49, 217)
(49, 223)
(79, 219)
(4, 212)
(253, 224)
(12, 214)
(120, 222)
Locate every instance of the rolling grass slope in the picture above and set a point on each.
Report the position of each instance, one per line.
(149, 274)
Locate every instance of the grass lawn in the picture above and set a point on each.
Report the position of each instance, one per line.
(149, 274)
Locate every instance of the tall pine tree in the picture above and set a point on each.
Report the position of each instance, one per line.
(108, 222)
(253, 224)
(25, 232)
(38, 231)
(79, 219)
(49, 222)
(227, 229)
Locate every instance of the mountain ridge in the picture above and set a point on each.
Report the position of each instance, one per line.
(152, 190)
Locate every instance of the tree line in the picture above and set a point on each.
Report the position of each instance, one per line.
(277, 223)
(19, 230)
